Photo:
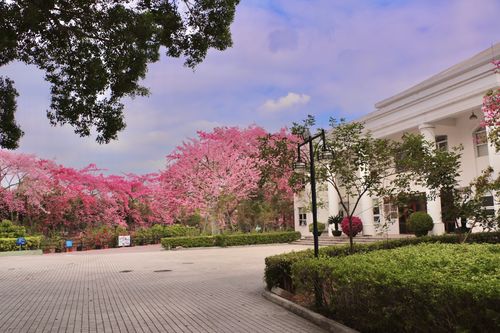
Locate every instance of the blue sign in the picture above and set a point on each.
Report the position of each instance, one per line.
(21, 241)
(69, 244)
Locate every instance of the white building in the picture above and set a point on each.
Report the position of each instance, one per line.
(445, 108)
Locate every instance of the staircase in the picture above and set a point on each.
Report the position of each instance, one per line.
(325, 240)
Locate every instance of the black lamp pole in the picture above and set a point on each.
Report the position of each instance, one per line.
(309, 140)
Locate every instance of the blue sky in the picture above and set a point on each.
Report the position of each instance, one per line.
(290, 58)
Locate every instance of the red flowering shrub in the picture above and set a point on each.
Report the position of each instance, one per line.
(357, 225)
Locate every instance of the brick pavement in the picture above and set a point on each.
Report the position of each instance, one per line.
(118, 290)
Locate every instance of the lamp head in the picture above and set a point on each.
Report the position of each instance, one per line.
(299, 167)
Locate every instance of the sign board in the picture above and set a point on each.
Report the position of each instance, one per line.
(124, 240)
(21, 241)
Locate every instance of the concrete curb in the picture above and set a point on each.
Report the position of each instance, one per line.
(21, 253)
(316, 318)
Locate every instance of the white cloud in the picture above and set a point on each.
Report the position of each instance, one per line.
(285, 102)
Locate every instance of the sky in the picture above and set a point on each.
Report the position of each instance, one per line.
(290, 58)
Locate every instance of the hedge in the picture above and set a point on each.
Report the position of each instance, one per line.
(420, 288)
(9, 244)
(198, 241)
(154, 234)
(278, 268)
(231, 240)
(10, 230)
(257, 238)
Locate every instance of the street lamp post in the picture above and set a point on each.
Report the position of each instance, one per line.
(300, 166)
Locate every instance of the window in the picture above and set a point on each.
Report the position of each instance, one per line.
(302, 216)
(442, 142)
(481, 142)
(488, 205)
(376, 211)
(390, 210)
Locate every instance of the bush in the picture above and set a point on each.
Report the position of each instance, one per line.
(198, 241)
(357, 225)
(231, 240)
(422, 288)
(321, 227)
(154, 234)
(261, 238)
(10, 230)
(420, 223)
(278, 267)
(9, 244)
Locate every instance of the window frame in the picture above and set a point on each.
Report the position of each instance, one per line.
(302, 217)
(480, 148)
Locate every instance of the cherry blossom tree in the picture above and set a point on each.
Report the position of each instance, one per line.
(491, 110)
(214, 173)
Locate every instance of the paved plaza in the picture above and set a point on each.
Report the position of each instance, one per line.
(143, 289)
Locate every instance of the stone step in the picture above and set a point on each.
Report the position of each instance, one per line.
(325, 241)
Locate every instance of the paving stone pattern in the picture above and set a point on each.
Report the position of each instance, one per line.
(118, 290)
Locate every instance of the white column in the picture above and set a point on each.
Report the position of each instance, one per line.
(433, 206)
(333, 205)
(366, 205)
(365, 210)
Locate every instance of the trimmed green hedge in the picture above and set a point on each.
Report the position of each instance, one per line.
(231, 240)
(9, 244)
(154, 234)
(198, 241)
(278, 268)
(257, 238)
(421, 288)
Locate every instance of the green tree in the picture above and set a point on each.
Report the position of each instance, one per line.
(94, 52)
(10, 133)
(468, 201)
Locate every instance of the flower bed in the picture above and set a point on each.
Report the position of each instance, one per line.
(426, 287)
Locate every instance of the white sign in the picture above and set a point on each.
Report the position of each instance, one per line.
(124, 240)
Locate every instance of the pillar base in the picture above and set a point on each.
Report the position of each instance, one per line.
(368, 230)
(438, 229)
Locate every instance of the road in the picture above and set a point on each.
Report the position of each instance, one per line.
(143, 289)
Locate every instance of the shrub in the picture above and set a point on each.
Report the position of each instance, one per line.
(179, 230)
(154, 234)
(198, 241)
(9, 244)
(231, 240)
(278, 270)
(321, 227)
(10, 230)
(278, 267)
(357, 225)
(422, 288)
(420, 223)
(261, 238)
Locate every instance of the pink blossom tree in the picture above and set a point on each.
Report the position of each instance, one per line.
(491, 111)
(214, 173)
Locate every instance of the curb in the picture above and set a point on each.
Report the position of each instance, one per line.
(315, 318)
(21, 253)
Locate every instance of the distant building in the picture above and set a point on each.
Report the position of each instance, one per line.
(446, 109)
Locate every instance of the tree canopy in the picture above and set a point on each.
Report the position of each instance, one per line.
(94, 52)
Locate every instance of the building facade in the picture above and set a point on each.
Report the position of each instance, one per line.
(445, 109)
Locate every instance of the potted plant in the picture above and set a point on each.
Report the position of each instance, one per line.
(336, 220)
(420, 223)
(321, 228)
(357, 226)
